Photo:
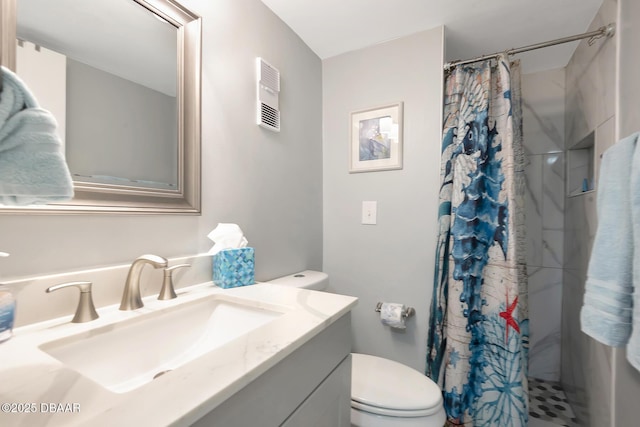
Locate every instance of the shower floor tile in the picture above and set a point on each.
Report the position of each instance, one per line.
(548, 402)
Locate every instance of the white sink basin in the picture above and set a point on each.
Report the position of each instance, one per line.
(129, 354)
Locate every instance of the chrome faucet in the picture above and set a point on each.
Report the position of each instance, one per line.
(131, 296)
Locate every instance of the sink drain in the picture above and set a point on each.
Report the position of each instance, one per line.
(161, 373)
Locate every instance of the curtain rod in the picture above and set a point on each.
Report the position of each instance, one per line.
(604, 31)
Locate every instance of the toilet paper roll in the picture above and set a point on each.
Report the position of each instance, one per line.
(391, 315)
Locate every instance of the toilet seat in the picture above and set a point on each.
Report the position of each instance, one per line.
(384, 387)
(394, 412)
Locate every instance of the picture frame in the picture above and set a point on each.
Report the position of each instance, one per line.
(376, 139)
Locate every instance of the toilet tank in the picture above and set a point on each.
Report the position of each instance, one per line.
(308, 279)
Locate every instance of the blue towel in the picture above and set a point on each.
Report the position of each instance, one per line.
(607, 314)
(633, 347)
(32, 166)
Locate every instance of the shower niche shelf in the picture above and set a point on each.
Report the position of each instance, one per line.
(580, 167)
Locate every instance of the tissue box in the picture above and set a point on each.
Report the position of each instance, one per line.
(234, 267)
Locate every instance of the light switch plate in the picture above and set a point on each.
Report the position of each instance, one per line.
(369, 212)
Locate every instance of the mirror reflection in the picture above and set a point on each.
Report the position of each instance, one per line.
(107, 70)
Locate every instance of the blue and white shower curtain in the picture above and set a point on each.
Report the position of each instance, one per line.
(479, 330)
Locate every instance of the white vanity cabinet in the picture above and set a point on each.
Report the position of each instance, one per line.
(293, 370)
(311, 387)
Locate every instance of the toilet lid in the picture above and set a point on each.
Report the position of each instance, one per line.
(391, 387)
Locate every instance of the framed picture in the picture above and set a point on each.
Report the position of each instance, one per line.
(376, 139)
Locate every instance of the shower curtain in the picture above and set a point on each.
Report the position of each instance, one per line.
(477, 349)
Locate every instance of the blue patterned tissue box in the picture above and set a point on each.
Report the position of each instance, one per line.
(234, 267)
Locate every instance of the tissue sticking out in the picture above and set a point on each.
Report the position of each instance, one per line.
(226, 236)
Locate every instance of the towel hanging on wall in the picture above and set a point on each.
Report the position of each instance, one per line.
(609, 314)
(33, 169)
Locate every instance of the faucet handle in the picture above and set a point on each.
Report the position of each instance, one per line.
(86, 311)
(167, 291)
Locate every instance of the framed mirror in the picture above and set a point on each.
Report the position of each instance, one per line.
(125, 77)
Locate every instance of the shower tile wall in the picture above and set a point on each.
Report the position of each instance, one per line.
(543, 130)
(590, 107)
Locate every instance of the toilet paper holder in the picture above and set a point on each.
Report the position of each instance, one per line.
(406, 313)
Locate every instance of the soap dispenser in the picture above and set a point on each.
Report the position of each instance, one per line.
(7, 310)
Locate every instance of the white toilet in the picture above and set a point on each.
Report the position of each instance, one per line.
(384, 393)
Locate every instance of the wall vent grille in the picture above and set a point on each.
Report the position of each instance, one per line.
(268, 85)
(269, 76)
(269, 117)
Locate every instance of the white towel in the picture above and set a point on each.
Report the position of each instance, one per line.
(607, 313)
(32, 166)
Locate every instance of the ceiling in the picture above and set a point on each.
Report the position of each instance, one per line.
(473, 27)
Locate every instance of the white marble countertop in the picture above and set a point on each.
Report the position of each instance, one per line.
(30, 379)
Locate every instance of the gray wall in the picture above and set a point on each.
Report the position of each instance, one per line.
(392, 261)
(627, 379)
(119, 128)
(629, 37)
(268, 183)
(590, 107)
